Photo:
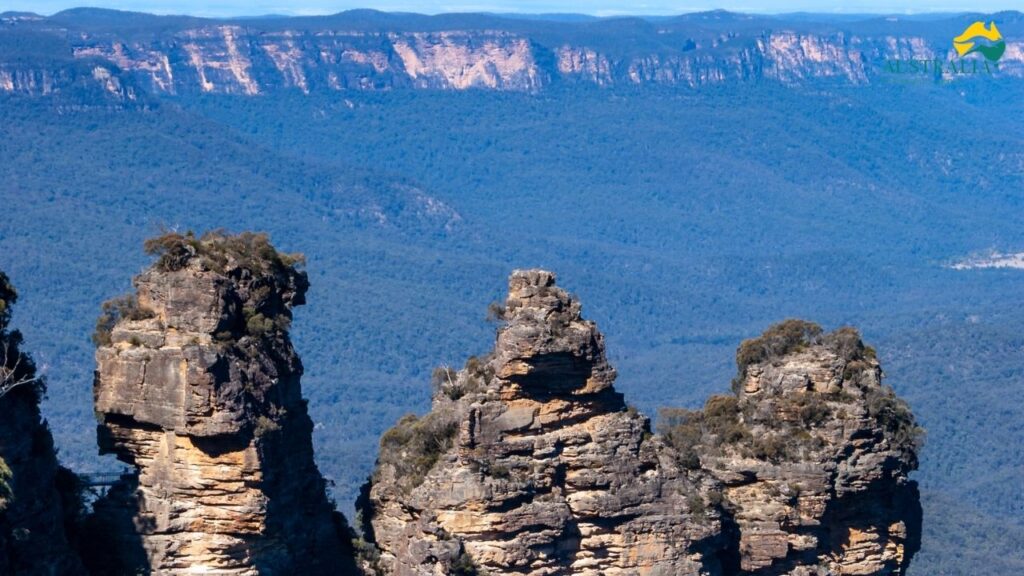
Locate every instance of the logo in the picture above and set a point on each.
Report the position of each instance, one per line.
(985, 40)
(977, 38)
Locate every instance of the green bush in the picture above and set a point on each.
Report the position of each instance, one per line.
(810, 409)
(894, 416)
(114, 310)
(783, 338)
(264, 426)
(5, 483)
(443, 381)
(464, 566)
(257, 324)
(496, 312)
(719, 424)
(217, 251)
(683, 430)
(696, 505)
(769, 447)
(722, 419)
(414, 445)
(17, 369)
(8, 296)
(788, 336)
(367, 555)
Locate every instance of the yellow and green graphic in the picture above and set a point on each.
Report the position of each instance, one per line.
(979, 38)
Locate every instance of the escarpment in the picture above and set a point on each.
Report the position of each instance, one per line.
(131, 56)
(813, 452)
(531, 463)
(33, 487)
(197, 387)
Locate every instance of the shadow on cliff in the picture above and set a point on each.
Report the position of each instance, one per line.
(874, 510)
(878, 511)
(109, 539)
(317, 539)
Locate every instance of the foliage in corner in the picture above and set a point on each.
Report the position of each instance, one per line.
(269, 281)
(220, 251)
(5, 484)
(17, 369)
(464, 566)
(794, 335)
(414, 445)
(784, 338)
(788, 432)
(894, 416)
(720, 423)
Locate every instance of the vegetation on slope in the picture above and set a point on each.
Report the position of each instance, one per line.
(5, 486)
(222, 252)
(725, 424)
(17, 369)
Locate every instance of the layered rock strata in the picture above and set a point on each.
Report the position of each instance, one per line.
(130, 56)
(531, 463)
(197, 387)
(33, 487)
(814, 454)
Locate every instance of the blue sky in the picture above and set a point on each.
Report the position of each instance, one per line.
(599, 7)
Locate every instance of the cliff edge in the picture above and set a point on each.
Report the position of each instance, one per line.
(197, 387)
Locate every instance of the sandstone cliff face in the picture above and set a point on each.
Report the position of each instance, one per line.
(197, 387)
(531, 463)
(349, 52)
(233, 59)
(32, 508)
(814, 455)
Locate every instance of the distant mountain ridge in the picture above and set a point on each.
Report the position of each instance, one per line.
(125, 53)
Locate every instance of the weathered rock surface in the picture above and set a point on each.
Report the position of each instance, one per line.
(197, 387)
(814, 454)
(531, 463)
(33, 486)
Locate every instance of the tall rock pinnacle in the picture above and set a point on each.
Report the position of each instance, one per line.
(197, 387)
(530, 463)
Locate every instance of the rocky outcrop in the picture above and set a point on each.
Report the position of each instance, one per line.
(37, 496)
(531, 463)
(814, 453)
(197, 387)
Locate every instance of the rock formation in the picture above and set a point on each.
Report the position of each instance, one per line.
(531, 463)
(197, 387)
(813, 453)
(528, 463)
(33, 487)
(358, 51)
